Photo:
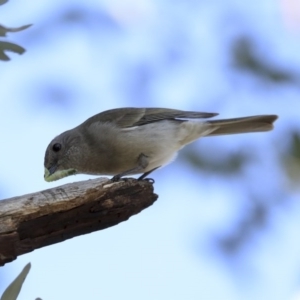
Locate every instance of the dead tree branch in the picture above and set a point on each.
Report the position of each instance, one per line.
(51, 216)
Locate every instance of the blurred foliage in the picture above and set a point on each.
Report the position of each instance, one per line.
(245, 57)
(257, 216)
(228, 164)
(95, 22)
(84, 15)
(255, 219)
(4, 30)
(295, 145)
(7, 46)
(291, 160)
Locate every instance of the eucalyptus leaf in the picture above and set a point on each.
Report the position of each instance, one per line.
(4, 30)
(7, 46)
(3, 1)
(13, 290)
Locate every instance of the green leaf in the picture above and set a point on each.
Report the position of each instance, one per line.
(7, 46)
(4, 30)
(3, 1)
(13, 290)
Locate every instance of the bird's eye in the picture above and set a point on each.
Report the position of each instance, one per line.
(56, 147)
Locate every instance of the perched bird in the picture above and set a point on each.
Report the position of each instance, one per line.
(129, 141)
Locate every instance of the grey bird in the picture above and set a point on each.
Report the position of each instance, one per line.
(128, 141)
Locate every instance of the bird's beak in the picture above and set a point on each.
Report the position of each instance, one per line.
(52, 169)
(49, 172)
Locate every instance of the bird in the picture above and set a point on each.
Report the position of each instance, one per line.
(128, 141)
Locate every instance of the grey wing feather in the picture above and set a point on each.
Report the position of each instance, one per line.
(123, 117)
(129, 117)
(157, 114)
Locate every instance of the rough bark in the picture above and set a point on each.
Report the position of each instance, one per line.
(51, 216)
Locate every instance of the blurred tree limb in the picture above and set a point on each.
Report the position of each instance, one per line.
(51, 216)
(7, 46)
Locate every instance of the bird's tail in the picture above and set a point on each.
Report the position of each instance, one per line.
(242, 125)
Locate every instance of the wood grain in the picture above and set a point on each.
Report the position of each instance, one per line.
(51, 216)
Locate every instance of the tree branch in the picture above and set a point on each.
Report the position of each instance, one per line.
(51, 216)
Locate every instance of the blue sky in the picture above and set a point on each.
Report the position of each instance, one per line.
(211, 234)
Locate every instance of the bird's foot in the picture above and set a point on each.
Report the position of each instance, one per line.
(116, 178)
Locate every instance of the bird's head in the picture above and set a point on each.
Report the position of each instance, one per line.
(61, 156)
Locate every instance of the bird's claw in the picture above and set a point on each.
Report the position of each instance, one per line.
(116, 178)
(150, 180)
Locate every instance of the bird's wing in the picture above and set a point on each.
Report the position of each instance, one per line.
(130, 117)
